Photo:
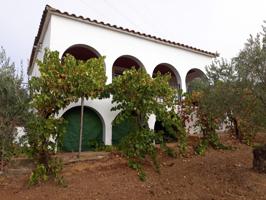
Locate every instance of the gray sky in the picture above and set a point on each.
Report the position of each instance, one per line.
(213, 25)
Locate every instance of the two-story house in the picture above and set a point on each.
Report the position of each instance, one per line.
(85, 38)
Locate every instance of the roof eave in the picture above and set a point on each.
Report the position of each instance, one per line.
(39, 38)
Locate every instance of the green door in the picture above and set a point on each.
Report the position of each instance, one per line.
(122, 129)
(92, 130)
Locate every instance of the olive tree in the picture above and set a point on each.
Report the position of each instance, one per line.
(251, 66)
(13, 105)
(235, 92)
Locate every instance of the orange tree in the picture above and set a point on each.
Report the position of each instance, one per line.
(59, 84)
(137, 95)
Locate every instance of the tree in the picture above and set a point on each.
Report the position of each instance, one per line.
(137, 95)
(88, 81)
(235, 91)
(244, 87)
(13, 105)
(136, 92)
(251, 66)
(224, 99)
(59, 84)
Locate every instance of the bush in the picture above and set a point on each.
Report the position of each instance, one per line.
(201, 147)
(137, 146)
(41, 174)
(43, 136)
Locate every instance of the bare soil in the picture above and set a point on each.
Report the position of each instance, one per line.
(217, 175)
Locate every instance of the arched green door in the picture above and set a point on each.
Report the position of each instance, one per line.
(92, 130)
(122, 129)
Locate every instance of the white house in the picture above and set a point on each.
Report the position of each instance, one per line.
(85, 38)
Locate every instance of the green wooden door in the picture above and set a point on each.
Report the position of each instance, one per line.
(92, 130)
(122, 129)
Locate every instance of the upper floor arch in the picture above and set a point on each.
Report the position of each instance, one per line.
(192, 75)
(125, 62)
(165, 68)
(82, 52)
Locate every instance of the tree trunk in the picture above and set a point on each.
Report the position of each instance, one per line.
(259, 159)
(237, 131)
(44, 158)
(2, 156)
(81, 126)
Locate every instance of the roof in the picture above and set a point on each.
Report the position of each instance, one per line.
(48, 11)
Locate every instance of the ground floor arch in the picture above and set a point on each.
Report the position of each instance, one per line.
(167, 135)
(92, 131)
(122, 129)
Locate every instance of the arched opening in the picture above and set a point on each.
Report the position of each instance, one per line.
(167, 135)
(122, 129)
(81, 52)
(165, 68)
(125, 63)
(192, 76)
(92, 130)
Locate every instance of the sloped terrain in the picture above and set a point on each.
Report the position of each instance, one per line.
(217, 175)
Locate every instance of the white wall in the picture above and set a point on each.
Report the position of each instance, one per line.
(63, 33)
(113, 44)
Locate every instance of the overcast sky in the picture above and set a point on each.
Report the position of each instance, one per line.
(213, 25)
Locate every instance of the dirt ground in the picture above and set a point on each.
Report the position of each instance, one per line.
(217, 175)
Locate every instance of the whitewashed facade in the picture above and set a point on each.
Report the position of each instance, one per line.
(62, 31)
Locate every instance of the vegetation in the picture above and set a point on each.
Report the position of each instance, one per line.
(138, 95)
(234, 94)
(13, 106)
(59, 84)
